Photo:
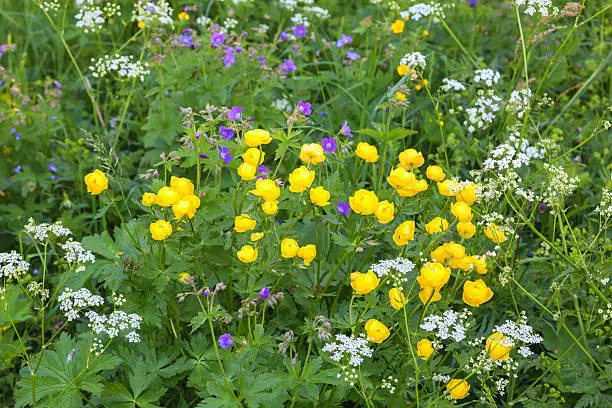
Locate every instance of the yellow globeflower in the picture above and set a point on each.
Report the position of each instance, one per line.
(458, 389)
(185, 278)
(447, 188)
(467, 194)
(425, 349)
(480, 264)
(266, 189)
(247, 171)
(166, 196)
(397, 298)
(364, 283)
(403, 69)
(476, 293)
(182, 185)
(307, 253)
(433, 275)
(401, 178)
(363, 202)
(435, 173)
(300, 179)
(257, 137)
(377, 331)
(160, 230)
(96, 182)
(398, 26)
(367, 152)
(183, 16)
(253, 156)
(256, 236)
(411, 159)
(270, 207)
(312, 153)
(429, 295)
(182, 207)
(148, 199)
(247, 254)
(289, 248)
(498, 346)
(319, 196)
(438, 224)
(385, 212)
(495, 233)
(244, 223)
(404, 233)
(466, 230)
(462, 211)
(440, 254)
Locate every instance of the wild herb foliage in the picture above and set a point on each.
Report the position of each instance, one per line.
(305, 203)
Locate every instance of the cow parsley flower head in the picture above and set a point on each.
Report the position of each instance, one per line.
(487, 76)
(75, 253)
(543, 7)
(91, 15)
(42, 232)
(482, 113)
(559, 187)
(519, 332)
(12, 265)
(397, 269)
(413, 60)
(353, 348)
(605, 206)
(153, 12)
(124, 66)
(450, 324)
(72, 302)
(452, 85)
(115, 323)
(519, 102)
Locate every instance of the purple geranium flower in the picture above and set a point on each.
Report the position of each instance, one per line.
(261, 59)
(224, 154)
(217, 39)
(353, 56)
(344, 40)
(289, 65)
(329, 144)
(472, 3)
(262, 170)
(299, 31)
(283, 36)
(229, 58)
(52, 167)
(17, 169)
(264, 292)
(186, 39)
(343, 208)
(226, 133)
(345, 129)
(235, 113)
(304, 108)
(225, 341)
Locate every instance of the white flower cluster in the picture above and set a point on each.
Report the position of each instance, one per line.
(282, 104)
(299, 19)
(488, 76)
(12, 265)
(71, 302)
(606, 313)
(203, 21)
(605, 205)
(91, 16)
(354, 348)
(230, 23)
(417, 11)
(153, 12)
(319, 12)
(414, 60)
(441, 378)
(482, 113)
(50, 6)
(38, 289)
(76, 253)
(535, 6)
(450, 325)
(519, 332)
(389, 384)
(559, 187)
(512, 155)
(116, 323)
(519, 102)
(123, 66)
(396, 269)
(43, 231)
(483, 363)
(452, 85)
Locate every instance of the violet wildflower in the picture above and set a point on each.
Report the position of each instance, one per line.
(344, 40)
(345, 129)
(304, 108)
(225, 341)
(235, 113)
(264, 292)
(229, 58)
(289, 65)
(472, 3)
(224, 154)
(329, 144)
(343, 208)
(52, 167)
(17, 169)
(226, 133)
(263, 170)
(283, 36)
(262, 59)
(203, 156)
(217, 39)
(299, 31)
(353, 56)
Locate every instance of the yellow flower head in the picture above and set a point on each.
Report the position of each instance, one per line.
(289, 248)
(185, 278)
(467, 194)
(160, 230)
(253, 156)
(363, 202)
(367, 152)
(312, 153)
(300, 179)
(466, 230)
(385, 212)
(398, 26)
(400, 96)
(447, 188)
(458, 389)
(244, 223)
(425, 349)
(183, 186)
(414, 189)
(433, 275)
(462, 211)
(377, 331)
(307, 253)
(364, 283)
(257, 137)
(247, 171)
(256, 236)
(411, 159)
(403, 69)
(397, 298)
(435, 173)
(404, 233)
(270, 207)
(476, 293)
(266, 189)
(498, 346)
(166, 196)
(186, 206)
(148, 199)
(401, 178)
(429, 295)
(96, 182)
(247, 254)
(480, 264)
(183, 16)
(495, 233)
(438, 224)
(319, 196)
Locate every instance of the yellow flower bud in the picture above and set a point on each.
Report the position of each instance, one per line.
(247, 254)
(182, 207)
(160, 230)
(495, 233)
(266, 189)
(247, 171)
(96, 182)
(404, 233)
(433, 275)
(377, 331)
(397, 298)
(257, 137)
(466, 230)
(253, 156)
(256, 236)
(435, 173)
(479, 264)
(364, 283)
(312, 153)
(289, 248)
(185, 278)
(458, 389)
(385, 212)
(244, 223)
(447, 188)
(148, 199)
(270, 207)
(429, 295)
(498, 346)
(401, 178)
(182, 186)
(467, 194)
(307, 253)
(363, 202)
(403, 70)
(476, 293)
(438, 224)
(300, 179)
(411, 159)
(166, 196)
(425, 349)
(319, 196)
(398, 26)
(367, 152)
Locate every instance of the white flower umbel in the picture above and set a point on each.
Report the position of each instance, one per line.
(452, 85)
(487, 76)
(44, 231)
(123, 66)
(520, 333)
(12, 265)
(318, 12)
(353, 348)
(482, 113)
(559, 187)
(605, 205)
(519, 102)
(417, 11)
(91, 15)
(450, 325)
(114, 324)
(396, 269)
(50, 6)
(414, 60)
(75, 253)
(151, 12)
(543, 7)
(71, 302)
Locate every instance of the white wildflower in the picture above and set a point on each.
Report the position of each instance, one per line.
(151, 12)
(76, 253)
(487, 76)
(71, 302)
(413, 60)
(12, 265)
(450, 325)
(121, 65)
(452, 85)
(535, 6)
(44, 231)
(519, 102)
(353, 348)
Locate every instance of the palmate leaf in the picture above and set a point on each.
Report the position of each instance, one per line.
(63, 375)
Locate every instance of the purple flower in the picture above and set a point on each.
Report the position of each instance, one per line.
(542, 208)
(53, 177)
(52, 167)
(353, 56)
(304, 108)
(235, 113)
(289, 65)
(187, 40)
(472, 3)
(17, 169)
(224, 154)
(203, 156)
(329, 144)
(225, 341)
(344, 40)
(226, 133)
(264, 292)
(262, 170)
(345, 129)
(229, 58)
(299, 31)
(343, 208)
(262, 59)
(217, 39)
(323, 113)
(283, 36)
